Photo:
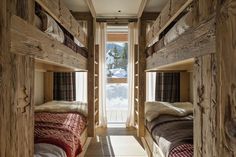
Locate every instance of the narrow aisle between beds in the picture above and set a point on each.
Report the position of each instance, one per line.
(116, 142)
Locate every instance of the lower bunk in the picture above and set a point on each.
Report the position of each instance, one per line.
(60, 129)
(169, 129)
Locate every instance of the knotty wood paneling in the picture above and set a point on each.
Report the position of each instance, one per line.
(17, 86)
(205, 101)
(226, 78)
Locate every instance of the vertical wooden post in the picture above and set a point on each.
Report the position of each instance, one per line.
(17, 86)
(205, 106)
(204, 86)
(226, 79)
(91, 80)
(141, 77)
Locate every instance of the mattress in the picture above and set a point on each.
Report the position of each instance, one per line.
(170, 132)
(60, 129)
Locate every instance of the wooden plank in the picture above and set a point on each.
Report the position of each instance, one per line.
(17, 86)
(28, 40)
(197, 41)
(48, 86)
(140, 49)
(62, 14)
(205, 103)
(169, 13)
(91, 80)
(184, 87)
(226, 77)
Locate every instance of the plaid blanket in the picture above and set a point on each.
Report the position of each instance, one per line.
(60, 129)
(184, 150)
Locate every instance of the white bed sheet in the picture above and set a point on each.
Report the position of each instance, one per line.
(48, 150)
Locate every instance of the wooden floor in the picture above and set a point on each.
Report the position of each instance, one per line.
(115, 142)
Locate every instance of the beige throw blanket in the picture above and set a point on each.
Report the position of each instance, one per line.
(63, 107)
(50, 26)
(154, 109)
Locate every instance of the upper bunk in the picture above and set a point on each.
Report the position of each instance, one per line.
(68, 52)
(175, 38)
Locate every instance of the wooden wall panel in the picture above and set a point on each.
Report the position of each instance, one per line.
(17, 86)
(205, 106)
(226, 80)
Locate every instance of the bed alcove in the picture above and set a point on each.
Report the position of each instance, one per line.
(205, 50)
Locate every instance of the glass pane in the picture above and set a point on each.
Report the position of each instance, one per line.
(117, 86)
(117, 59)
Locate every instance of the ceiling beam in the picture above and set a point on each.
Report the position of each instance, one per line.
(150, 16)
(141, 7)
(91, 7)
(117, 20)
(82, 16)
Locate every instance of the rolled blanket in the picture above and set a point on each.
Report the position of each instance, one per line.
(63, 107)
(154, 109)
(50, 26)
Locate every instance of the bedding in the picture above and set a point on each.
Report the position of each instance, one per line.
(60, 129)
(183, 150)
(63, 107)
(50, 26)
(171, 134)
(153, 109)
(48, 150)
(171, 127)
(179, 28)
(70, 43)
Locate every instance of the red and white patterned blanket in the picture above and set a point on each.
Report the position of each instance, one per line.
(183, 150)
(60, 129)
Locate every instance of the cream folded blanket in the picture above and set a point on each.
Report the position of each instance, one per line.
(153, 109)
(63, 107)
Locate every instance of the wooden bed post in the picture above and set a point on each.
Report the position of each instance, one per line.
(141, 77)
(91, 79)
(204, 78)
(205, 88)
(17, 86)
(226, 78)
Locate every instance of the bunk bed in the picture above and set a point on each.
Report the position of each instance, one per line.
(55, 38)
(60, 128)
(176, 42)
(58, 43)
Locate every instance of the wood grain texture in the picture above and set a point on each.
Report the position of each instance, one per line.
(197, 41)
(140, 50)
(17, 86)
(205, 104)
(28, 40)
(91, 80)
(62, 14)
(226, 79)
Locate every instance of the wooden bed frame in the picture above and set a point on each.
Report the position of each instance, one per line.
(85, 141)
(152, 149)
